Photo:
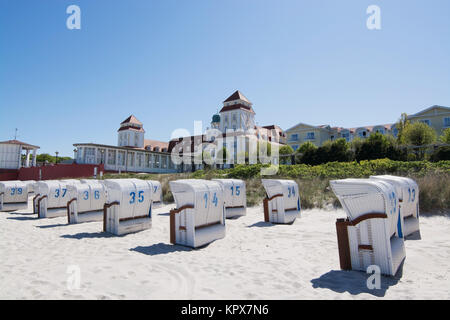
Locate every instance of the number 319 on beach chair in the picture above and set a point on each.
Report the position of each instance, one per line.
(129, 206)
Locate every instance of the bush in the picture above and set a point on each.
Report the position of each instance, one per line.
(330, 151)
(418, 134)
(378, 146)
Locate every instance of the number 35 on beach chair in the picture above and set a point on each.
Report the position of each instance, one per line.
(199, 217)
(129, 206)
(282, 204)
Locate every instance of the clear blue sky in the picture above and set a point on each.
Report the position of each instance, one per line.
(172, 62)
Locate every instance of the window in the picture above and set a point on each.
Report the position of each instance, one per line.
(295, 147)
(395, 132)
(101, 156)
(121, 158)
(346, 135)
(310, 136)
(131, 159)
(139, 160)
(447, 122)
(363, 134)
(111, 157)
(294, 137)
(426, 121)
(148, 160)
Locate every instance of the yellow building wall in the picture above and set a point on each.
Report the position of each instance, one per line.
(436, 120)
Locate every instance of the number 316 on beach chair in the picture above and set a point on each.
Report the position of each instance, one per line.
(129, 206)
(282, 204)
(199, 217)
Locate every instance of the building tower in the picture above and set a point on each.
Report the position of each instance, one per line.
(237, 113)
(131, 133)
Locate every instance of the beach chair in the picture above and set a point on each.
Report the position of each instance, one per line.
(87, 200)
(30, 185)
(235, 197)
(13, 196)
(129, 206)
(199, 216)
(157, 197)
(372, 232)
(282, 203)
(53, 197)
(408, 194)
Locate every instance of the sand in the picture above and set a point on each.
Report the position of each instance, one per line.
(256, 260)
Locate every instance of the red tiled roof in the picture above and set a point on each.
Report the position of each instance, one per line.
(237, 95)
(155, 143)
(236, 107)
(131, 128)
(19, 143)
(131, 119)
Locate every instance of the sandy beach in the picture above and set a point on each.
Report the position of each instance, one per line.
(256, 260)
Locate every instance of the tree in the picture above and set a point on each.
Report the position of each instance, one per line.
(285, 151)
(263, 151)
(445, 138)
(306, 147)
(401, 125)
(377, 146)
(418, 134)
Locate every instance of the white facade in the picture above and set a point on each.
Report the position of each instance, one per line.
(11, 154)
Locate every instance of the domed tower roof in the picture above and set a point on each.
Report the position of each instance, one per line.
(215, 118)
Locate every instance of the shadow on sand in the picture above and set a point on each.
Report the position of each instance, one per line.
(414, 236)
(261, 224)
(164, 214)
(88, 235)
(23, 218)
(355, 282)
(160, 248)
(53, 225)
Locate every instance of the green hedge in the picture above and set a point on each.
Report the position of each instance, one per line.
(336, 170)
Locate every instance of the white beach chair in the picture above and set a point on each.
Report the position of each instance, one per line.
(157, 197)
(53, 197)
(87, 200)
(408, 194)
(129, 206)
(13, 195)
(199, 217)
(235, 197)
(282, 204)
(30, 184)
(371, 233)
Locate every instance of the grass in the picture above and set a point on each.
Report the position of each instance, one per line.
(313, 181)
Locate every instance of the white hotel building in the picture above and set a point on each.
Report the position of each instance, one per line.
(133, 152)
